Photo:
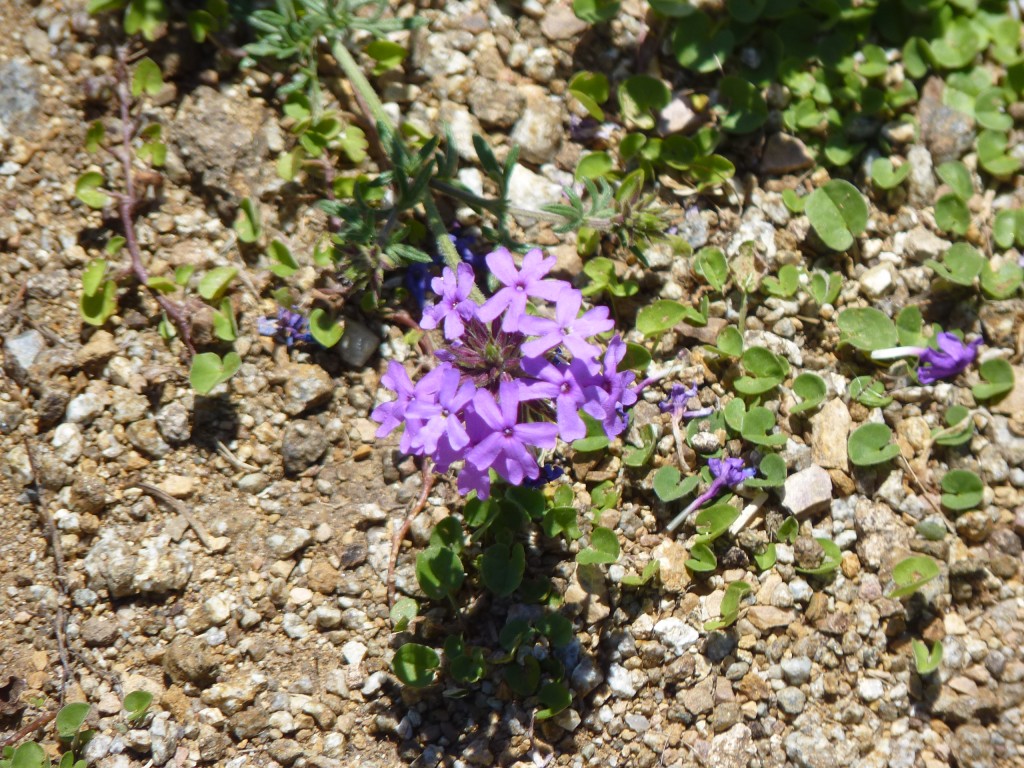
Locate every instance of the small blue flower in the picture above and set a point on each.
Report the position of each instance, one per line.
(287, 328)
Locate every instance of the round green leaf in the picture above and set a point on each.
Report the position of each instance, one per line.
(215, 282)
(70, 719)
(87, 190)
(757, 428)
(208, 370)
(668, 485)
(952, 214)
(885, 175)
(926, 661)
(870, 444)
(555, 697)
(402, 612)
(745, 109)
(656, 318)
(838, 213)
(324, 328)
(811, 389)
(595, 11)
(501, 568)
(415, 664)
(594, 166)
(603, 549)
(912, 573)
(998, 379)
(867, 328)
(640, 96)
(961, 490)
(439, 572)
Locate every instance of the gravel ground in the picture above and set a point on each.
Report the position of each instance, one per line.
(229, 553)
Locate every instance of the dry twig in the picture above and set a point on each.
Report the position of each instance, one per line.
(396, 542)
(176, 506)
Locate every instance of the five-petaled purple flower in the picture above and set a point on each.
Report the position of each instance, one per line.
(501, 438)
(566, 329)
(455, 306)
(726, 473)
(677, 401)
(950, 359)
(530, 281)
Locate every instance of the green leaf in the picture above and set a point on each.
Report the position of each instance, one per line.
(869, 392)
(1003, 282)
(912, 573)
(998, 380)
(208, 370)
(591, 90)
(952, 214)
(758, 424)
(956, 175)
(766, 558)
(711, 522)
(772, 470)
(730, 608)
(699, 45)
(793, 201)
(604, 495)
(448, 533)
(1008, 228)
(387, 54)
(909, 323)
(415, 664)
(561, 520)
(926, 661)
(885, 175)
(114, 244)
(637, 358)
(70, 719)
(638, 457)
(785, 285)
(603, 549)
(765, 371)
(161, 284)
(668, 486)
(555, 628)
(145, 16)
(94, 7)
(87, 190)
(990, 110)
(501, 568)
(439, 572)
(28, 755)
(811, 389)
(595, 11)
(702, 558)
(94, 136)
(656, 318)
(247, 222)
(838, 213)
(224, 326)
(961, 490)
(596, 438)
(153, 151)
(523, 678)
(215, 282)
(554, 696)
(147, 78)
(641, 97)
(744, 108)
(594, 165)
(870, 444)
(283, 263)
(831, 561)
(789, 531)
(326, 329)
(710, 263)
(402, 612)
(729, 342)
(866, 328)
(824, 287)
(92, 276)
(962, 262)
(136, 704)
(959, 427)
(650, 571)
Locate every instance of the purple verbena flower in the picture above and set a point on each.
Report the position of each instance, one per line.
(564, 384)
(501, 440)
(608, 399)
(725, 473)
(455, 306)
(392, 413)
(567, 329)
(950, 359)
(442, 417)
(520, 285)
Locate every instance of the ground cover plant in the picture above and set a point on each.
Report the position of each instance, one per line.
(572, 383)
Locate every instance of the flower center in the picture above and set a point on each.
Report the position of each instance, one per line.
(507, 432)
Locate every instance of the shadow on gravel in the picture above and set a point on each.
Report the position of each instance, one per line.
(215, 420)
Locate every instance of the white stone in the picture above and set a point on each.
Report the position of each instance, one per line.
(870, 689)
(84, 408)
(676, 634)
(531, 191)
(808, 490)
(67, 440)
(354, 652)
(216, 610)
(620, 681)
(878, 281)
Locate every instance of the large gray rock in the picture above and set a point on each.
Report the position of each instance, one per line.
(152, 567)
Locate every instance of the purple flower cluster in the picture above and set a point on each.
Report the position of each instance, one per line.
(509, 382)
(287, 328)
(725, 473)
(951, 358)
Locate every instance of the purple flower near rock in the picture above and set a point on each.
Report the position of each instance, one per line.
(455, 306)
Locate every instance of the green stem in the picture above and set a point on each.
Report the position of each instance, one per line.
(373, 104)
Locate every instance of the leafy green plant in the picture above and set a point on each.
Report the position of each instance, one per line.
(668, 485)
(730, 609)
(664, 314)
(871, 444)
(209, 369)
(887, 176)
(869, 392)
(1003, 281)
(595, 11)
(785, 284)
(710, 263)
(98, 301)
(961, 490)
(811, 390)
(998, 380)
(772, 470)
(603, 549)
(824, 287)
(603, 279)
(702, 558)
(757, 427)
(866, 328)
(765, 370)
(926, 662)
(959, 427)
(136, 704)
(1008, 228)
(838, 213)
(912, 573)
(415, 664)
(961, 264)
(591, 90)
